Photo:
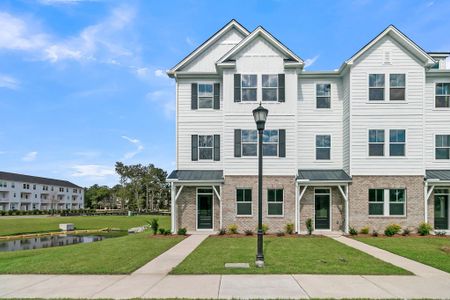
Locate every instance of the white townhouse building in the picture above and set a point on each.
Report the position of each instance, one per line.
(24, 192)
(365, 145)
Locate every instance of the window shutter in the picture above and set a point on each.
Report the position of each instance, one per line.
(216, 95)
(194, 96)
(217, 147)
(281, 83)
(194, 147)
(282, 143)
(237, 143)
(237, 87)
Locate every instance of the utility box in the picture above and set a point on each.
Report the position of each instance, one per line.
(67, 227)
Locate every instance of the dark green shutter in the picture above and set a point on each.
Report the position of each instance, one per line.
(194, 96)
(194, 147)
(281, 92)
(216, 147)
(216, 95)
(282, 143)
(237, 143)
(237, 87)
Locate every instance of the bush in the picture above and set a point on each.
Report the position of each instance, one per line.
(289, 228)
(3, 212)
(280, 233)
(406, 231)
(248, 232)
(309, 226)
(364, 230)
(374, 233)
(424, 228)
(265, 228)
(154, 225)
(222, 231)
(233, 229)
(162, 231)
(167, 232)
(392, 229)
(353, 231)
(182, 231)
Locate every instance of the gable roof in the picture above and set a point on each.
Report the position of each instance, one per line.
(400, 37)
(35, 179)
(230, 25)
(261, 32)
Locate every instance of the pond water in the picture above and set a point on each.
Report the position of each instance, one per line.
(55, 241)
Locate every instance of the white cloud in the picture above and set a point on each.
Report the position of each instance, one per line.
(310, 61)
(30, 156)
(62, 2)
(190, 41)
(165, 99)
(137, 143)
(160, 73)
(142, 72)
(97, 171)
(9, 82)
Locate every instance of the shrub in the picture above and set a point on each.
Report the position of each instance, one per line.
(280, 233)
(364, 230)
(265, 228)
(353, 231)
(167, 232)
(162, 231)
(3, 212)
(222, 231)
(309, 226)
(406, 231)
(424, 228)
(289, 228)
(10, 212)
(154, 225)
(374, 233)
(248, 232)
(233, 229)
(182, 231)
(392, 229)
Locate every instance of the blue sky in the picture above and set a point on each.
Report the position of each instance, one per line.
(83, 85)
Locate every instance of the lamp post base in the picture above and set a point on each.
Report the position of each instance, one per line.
(259, 264)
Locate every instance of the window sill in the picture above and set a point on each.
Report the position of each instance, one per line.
(445, 109)
(386, 102)
(275, 216)
(388, 217)
(387, 157)
(257, 101)
(244, 216)
(323, 161)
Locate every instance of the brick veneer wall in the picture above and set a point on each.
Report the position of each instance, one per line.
(359, 201)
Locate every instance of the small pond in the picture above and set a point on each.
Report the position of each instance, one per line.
(55, 241)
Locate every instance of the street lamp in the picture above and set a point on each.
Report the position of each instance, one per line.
(260, 115)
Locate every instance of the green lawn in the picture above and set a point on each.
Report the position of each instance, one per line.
(10, 226)
(431, 251)
(119, 255)
(283, 255)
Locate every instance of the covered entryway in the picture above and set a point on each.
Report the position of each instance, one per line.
(322, 209)
(204, 208)
(437, 194)
(441, 209)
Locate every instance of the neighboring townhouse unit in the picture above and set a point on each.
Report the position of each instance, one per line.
(24, 192)
(365, 145)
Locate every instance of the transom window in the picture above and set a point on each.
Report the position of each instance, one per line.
(249, 141)
(442, 146)
(397, 140)
(270, 87)
(205, 95)
(376, 87)
(205, 147)
(275, 202)
(323, 95)
(442, 95)
(248, 87)
(323, 147)
(387, 202)
(397, 87)
(244, 202)
(376, 142)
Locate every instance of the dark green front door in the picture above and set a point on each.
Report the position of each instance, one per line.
(322, 211)
(204, 212)
(441, 211)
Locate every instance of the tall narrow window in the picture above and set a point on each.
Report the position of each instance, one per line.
(205, 96)
(244, 202)
(376, 202)
(275, 202)
(397, 87)
(270, 143)
(442, 95)
(205, 147)
(442, 146)
(249, 143)
(323, 147)
(249, 87)
(376, 142)
(396, 202)
(397, 140)
(270, 87)
(323, 95)
(376, 87)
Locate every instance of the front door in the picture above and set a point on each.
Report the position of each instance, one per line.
(441, 211)
(322, 208)
(204, 209)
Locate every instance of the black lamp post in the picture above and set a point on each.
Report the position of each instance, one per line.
(260, 115)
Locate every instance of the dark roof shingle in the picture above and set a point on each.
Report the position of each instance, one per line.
(196, 175)
(35, 179)
(324, 175)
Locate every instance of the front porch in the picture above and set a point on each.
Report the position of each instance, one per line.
(437, 199)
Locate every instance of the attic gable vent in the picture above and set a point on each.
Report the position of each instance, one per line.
(387, 57)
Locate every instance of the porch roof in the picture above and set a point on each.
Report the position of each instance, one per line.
(439, 175)
(323, 175)
(196, 175)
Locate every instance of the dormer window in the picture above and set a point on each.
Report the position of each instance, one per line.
(270, 87)
(248, 87)
(376, 87)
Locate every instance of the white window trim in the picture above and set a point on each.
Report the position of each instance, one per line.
(196, 207)
(315, 148)
(256, 88)
(272, 87)
(212, 148)
(282, 203)
(434, 96)
(387, 201)
(387, 88)
(331, 97)
(331, 207)
(377, 143)
(198, 96)
(401, 87)
(435, 146)
(398, 143)
(251, 202)
(256, 143)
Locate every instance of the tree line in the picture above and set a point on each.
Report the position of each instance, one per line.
(140, 187)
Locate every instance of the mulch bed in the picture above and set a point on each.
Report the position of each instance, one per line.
(399, 236)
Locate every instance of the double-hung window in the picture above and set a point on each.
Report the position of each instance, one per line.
(442, 95)
(397, 87)
(244, 202)
(397, 140)
(270, 87)
(376, 142)
(376, 87)
(442, 146)
(275, 202)
(323, 95)
(249, 142)
(387, 202)
(396, 202)
(270, 143)
(323, 147)
(376, 202)
(205, 95)
(248, 87)
(205, 147)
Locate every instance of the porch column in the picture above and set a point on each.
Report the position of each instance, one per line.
(219, 196)
(298, 224)
(172, 206)
(344, 194)
(427, 194)
(297, 212)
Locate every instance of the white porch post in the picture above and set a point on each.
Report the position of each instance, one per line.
(172, 206)
(299, 205)
(219, 196)
(344, 194)
(427, 194)
(297, 213)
